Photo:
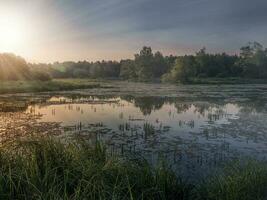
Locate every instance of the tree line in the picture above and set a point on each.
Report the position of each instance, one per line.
(146, 66)
(251, 63)
(13, 68)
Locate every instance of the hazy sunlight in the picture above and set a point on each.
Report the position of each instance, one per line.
(13, 33)
(140, 99)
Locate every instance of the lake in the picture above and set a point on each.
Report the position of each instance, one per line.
(195, 129)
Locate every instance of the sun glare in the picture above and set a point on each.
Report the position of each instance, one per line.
(12, 33)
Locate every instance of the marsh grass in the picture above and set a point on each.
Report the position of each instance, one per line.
(41, 168)
(226, 80)
(13, 106)
(48, 169)
(149, 129)
(246, 181)
(46, 86)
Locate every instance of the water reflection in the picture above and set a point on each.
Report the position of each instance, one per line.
(195, 129)
(192, 135)
(113, 111)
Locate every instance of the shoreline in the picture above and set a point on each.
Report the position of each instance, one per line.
(13, 87)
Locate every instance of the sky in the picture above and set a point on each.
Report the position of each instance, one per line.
(64, 30)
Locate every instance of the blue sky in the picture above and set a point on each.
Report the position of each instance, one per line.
(114, 29)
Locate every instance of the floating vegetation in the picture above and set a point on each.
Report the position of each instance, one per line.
(166, 128)
(207, 127)
(13, 106)
(149, 129)
(99, 124)
(132, 118)
(124, 127)
(64, 100)
(14, 125)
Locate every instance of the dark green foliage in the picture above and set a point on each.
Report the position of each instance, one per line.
(215, 65)
(40, 75)
(47, 169)
(252, 63)
(146, 66)
(128, 70)
(238, 182)
(203, 65)
(13, 68)
(44, 86)
(149, 129)
(184, 68)
(43, 168)
(104, 69)
(148, 104)
(161, 64)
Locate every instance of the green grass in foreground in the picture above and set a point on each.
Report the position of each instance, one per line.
(44, 86)
(248, 182)
(48, 169)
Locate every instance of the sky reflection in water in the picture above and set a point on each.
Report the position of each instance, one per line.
(191, 136)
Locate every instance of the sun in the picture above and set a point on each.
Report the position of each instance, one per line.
(12, 33)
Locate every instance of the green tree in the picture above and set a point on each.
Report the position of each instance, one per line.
(253, 60)
(184, 69)
(160, 65)
(13, 67)
(144, 64)
(127, 70)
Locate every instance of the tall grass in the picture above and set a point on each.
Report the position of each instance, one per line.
(247, 181)
(148, 128)
(40, 168)
(46, 86)
(47, 169)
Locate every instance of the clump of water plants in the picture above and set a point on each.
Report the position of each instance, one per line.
(238, 181)
(45, 168)
(49, 169)
(149, 129)
(13, 106)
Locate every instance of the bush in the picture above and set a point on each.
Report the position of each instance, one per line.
(40, 76)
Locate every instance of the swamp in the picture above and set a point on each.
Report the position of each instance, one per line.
(196, 129)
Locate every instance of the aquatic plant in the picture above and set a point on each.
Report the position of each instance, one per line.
(48, 169)
(149, 129)
(44, 168)
(13, 106)
(239, 181)
(43, 86)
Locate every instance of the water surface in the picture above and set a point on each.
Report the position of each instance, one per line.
(194, 128)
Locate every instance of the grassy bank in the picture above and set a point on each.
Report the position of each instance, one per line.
(48, 169)
(237, 182)
(72, 84)
(221, 81)
(45, 169)
(45, 86)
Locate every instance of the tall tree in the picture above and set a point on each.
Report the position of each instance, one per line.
(144, 64)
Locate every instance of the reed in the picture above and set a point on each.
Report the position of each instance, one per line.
(244, 180)
(148, 128)
(45, 168)
(48, 169)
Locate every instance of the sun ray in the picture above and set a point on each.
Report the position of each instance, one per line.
(12, 33)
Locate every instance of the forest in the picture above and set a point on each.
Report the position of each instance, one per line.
(146, 66)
